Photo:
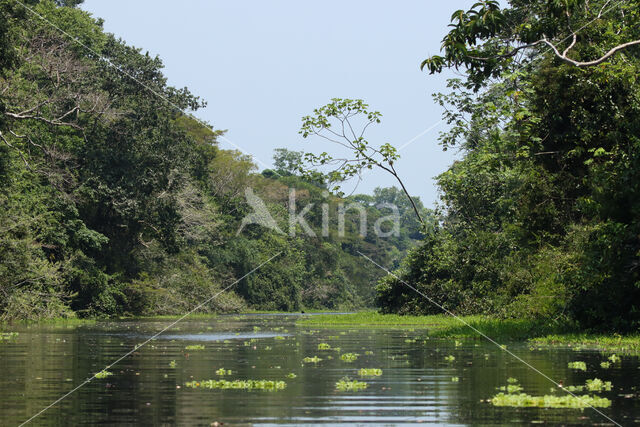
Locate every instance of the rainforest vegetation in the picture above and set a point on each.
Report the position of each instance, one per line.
(115, 200)
(540, 216)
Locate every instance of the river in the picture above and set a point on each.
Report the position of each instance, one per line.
(413, 379)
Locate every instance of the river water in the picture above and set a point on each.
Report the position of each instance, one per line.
(420, 383)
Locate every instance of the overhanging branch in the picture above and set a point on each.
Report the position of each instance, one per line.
(563, 56)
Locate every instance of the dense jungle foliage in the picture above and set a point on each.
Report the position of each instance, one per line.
(115, 201)
(540, 216)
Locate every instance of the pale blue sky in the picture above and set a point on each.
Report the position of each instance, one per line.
(262, 65)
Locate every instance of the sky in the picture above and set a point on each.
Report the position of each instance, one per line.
(262, 65)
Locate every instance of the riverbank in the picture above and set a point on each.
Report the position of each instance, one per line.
(538, 334)
(442, 325)
(614, 343)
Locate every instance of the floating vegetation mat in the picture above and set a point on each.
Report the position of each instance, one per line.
(595, 384)
(346, 384)
(314, 359)
(268, 385)
(349, 357)
(628, 345)
(549, 401)
(511, 388)
(514, 398)
(194, 347)
(370, 372)
(577, 365)
(103, 374)
(6, 336)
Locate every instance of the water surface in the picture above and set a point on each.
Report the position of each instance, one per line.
(417, 385)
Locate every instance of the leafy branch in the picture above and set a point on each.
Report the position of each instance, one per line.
(337, 123)
(485, 36)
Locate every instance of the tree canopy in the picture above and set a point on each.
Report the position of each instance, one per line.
(539, 216)
(116, 200)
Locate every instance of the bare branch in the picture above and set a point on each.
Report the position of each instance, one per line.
(573, 43)
(53, 122)
(604, 6)
(415, 208)
(579, 64)
(562, 56)
(16, 149)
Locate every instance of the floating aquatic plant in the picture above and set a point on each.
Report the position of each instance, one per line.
(614, 358)
(223, 372)
(103, 374)
(195, 347)
(549, 401)
(595, 384)
(268, 385)
(370, 372)
(324, 346)
(314, 359)
(605, 365)
(346, 384)
(511, 388)
(455, 379)
(449, 358)
(368, 352)
(605, 343)
(291, 375)
(279, 337)
(6, 336)
(349, 357)
(512, 380)
(577, 365)
(172, 364)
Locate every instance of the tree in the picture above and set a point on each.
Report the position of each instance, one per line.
(486, 39)
(287, 162)
(69, 3)
(114, 201)
(538, 216)
(337, 123)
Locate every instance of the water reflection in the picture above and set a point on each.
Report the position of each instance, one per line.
(418, 384)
